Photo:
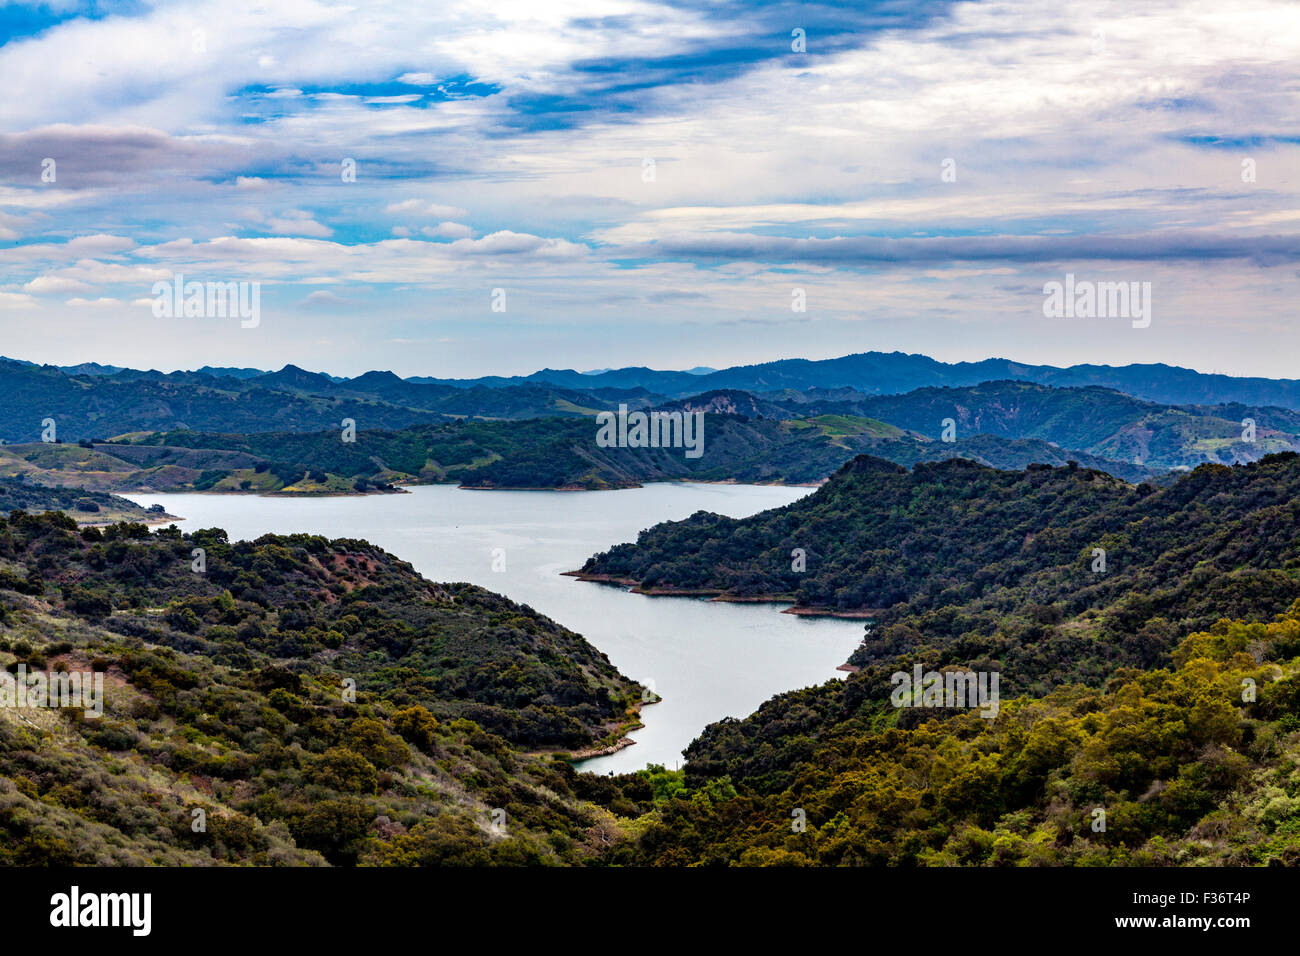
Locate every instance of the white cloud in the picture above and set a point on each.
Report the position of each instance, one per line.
(299, 227)
(514, 243)
(290, 222)
(447, 230)
(1048, 140)
(422, 208)
(100, 303)
(50, 283)
(97, 273)
(323, 297)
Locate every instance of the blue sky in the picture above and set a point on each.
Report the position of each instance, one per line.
(649, 183)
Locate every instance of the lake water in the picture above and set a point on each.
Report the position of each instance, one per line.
(707, 660)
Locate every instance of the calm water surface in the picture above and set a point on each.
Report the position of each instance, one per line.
(706, 660)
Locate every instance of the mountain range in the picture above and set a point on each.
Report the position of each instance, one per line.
(284, 426)
(872, 373)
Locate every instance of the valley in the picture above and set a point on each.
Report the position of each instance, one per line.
(1078, 549)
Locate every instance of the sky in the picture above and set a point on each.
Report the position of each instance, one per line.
(459, 189)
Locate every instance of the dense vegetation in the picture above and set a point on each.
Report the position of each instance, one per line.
(90, 407)
(961, 563)
(322, 703)
(1193, 764)
(1099, 421)
(228, 690)
(1125, 692)
(1146, 727)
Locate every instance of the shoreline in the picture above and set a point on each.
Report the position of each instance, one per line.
(535, 487)
(622, 743)
(163, 519)
(306, 494)
(403, 488)
(263, 494)
(640, 484)
(579, 756)
(852, 614)
(722, 597)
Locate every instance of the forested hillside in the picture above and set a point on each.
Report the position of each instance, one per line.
(1098, 421)
(537, 453)
(99, 406)
(529, 433)
(1196, 763)
(1149, 708)
(228, 691)
(961, 562)
(318, 700)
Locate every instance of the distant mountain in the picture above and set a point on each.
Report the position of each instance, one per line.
(292, 399)
(887, 373)
(672, 384)
(85, 368)
(102, 406)
(295, 378)
(1102, 422)
(91, 368)
(872, 373)
(1112, 429)
(729, 401)
(881, 373)
(221, 372)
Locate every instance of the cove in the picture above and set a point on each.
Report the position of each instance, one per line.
(706, 660)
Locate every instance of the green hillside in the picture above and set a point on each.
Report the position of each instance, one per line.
(229, 691)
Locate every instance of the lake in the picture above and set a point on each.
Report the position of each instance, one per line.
(707, 660)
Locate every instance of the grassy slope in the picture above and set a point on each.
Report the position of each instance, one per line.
(88, 507)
